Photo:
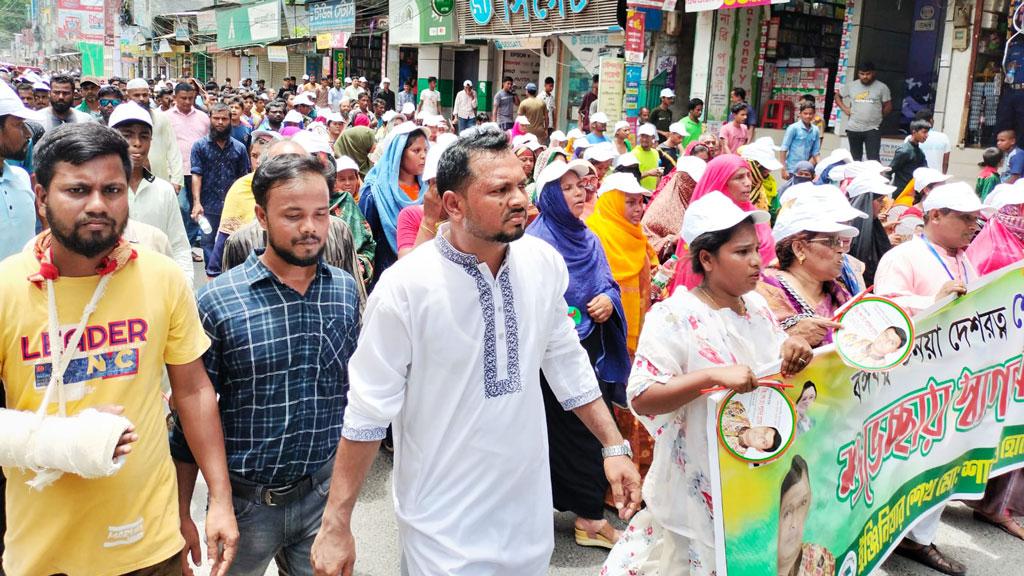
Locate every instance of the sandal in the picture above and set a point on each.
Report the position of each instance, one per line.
(596, 539)
(1005, 523)
(931, 557)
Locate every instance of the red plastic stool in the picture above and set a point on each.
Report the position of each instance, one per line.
(777, 114)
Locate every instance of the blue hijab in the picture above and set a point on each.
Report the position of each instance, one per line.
(381, 190)
(589, 276)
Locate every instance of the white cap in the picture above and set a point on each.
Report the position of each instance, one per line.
(575, 134)
(348, 80)
(692, 166)
(345, 163)
(129, 112)
(855, 169)
(385, 80)
(303, 99)
(313, 142)
(408, 108)
(580, 143)
(647, 130)
(762, 151)
(958, 196)
(40, 85)
(136, 83)
(293, 116)
(714, 212)
(602, 152)
(1005, 195)
(257, 134)
(677, 128)
(557, 136)
(467, 83)
(334, 117)
(599, 117)
(623, 182)
(924, 177)
(667, 93)
(620, 125)
(556, 170)
(362, 78)
(434, 120)
(11, 104)
(522, 120)
(389, 116)
(264, 97)
(837, 155)
(305, 76)
(870, 184)
(806, 218)
(626, 160)
(826, 200)
(434, 157)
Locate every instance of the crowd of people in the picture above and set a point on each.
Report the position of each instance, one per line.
(527, 318)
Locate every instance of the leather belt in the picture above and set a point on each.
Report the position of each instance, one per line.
(280, 495)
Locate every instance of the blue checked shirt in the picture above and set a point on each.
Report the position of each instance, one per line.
(219, 167)
(279, 361)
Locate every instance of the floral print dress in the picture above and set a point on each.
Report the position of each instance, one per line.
(675, 534)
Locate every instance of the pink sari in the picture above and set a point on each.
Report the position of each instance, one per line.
(1001, 242)
(720, 169)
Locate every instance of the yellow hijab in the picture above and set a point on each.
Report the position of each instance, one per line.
(624, 243)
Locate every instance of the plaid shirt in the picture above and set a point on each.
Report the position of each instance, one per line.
(279, 361)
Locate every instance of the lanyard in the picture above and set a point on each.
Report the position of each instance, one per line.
(943, 262)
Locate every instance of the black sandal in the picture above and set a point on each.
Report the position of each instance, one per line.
(931, 557)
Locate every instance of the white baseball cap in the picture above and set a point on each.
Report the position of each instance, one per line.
(957, 196)
(303, 99)
(626, 160)
(1005, 195)
(836, 156)
(408, 108)
(555, 170)
(522, 120)
(313, 142)
(855, 169)
(467, 83)
(389, 116)
(11, 104)
(264, 97)
(293, 116)
(362, 78)
(762, 151)
(827, 200)
(557, 136)
(40, 85)
(581, 143)
(647, 130)
(385, 80)
(575, 134)
(257, 134)
(667, 93)
(129, 112)
(623, 182)
(599, 117)
(334, 117)
(348, 80)
(692, 166)
(924, 177)
(620, 125)
(677, 128)
(805, 218)
(603, 152)
(714, 212)
(136, 83)
(345, 163)
(305, 76)
(870, 183)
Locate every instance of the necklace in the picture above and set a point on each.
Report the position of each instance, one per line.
(710, 299)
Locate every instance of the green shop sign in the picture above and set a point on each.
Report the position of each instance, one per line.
(444, 7)
(257, 23)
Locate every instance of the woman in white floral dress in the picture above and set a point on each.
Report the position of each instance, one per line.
(710, 336)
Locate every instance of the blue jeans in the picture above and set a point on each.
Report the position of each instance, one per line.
(466, 123)
(185, 204)
(207, 241)
(285, 532)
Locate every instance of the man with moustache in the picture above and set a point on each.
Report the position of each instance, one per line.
(472, 496)
(217, 161)
(164, 154)
(282, 326)
(62, 96)
(18, 221)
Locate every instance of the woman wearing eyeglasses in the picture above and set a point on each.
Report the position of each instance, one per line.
(804, 292)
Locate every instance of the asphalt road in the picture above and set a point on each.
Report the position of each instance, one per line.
(985, 550)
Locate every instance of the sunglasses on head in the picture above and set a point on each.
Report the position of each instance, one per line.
(109, 102)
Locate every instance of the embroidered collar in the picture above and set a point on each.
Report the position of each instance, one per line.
(450, 252)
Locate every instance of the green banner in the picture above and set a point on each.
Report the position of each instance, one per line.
(247, 25)
(92, 59)
(869, 454)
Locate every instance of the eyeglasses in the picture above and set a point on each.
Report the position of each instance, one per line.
(109, 102)
(834, 242)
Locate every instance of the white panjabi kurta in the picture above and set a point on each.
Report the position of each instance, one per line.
(451, 357)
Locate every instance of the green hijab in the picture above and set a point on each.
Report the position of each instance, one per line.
(356, 143)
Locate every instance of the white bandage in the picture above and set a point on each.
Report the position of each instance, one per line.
(82, 444)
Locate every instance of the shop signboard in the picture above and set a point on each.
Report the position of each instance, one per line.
(328, 40)
(277, 54)
(81, 20)
(523, 66)
(489, 18)
(634, 73)
(635, 36)
(332, 16)
(257, 23)
(587, 47)
(745, 53)
(717, 105)
(530, 43)
(705, 5)
(610, 87)
(415, 22)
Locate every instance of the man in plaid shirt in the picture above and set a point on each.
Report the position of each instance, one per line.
(282, 326)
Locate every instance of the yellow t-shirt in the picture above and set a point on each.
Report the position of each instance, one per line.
(146, 318)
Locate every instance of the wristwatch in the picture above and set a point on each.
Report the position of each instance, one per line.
(618, 450)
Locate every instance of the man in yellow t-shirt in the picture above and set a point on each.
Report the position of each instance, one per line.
(647, 156)
(145, 319)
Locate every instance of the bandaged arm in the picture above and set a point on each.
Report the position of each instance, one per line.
(81, 444)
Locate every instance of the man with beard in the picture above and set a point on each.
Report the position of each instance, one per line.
(217, 161)
(164, 154)
(476, 501)
(90, 89)
(283, 325)
(62, 95)
(275, 116)
(116, 524)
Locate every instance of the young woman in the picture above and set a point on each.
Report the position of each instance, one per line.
(664, 215)
(708, 336)
(343, 205)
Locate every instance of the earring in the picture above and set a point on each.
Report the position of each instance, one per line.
(801, 258)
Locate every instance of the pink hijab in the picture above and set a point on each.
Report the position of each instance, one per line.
(716, 177)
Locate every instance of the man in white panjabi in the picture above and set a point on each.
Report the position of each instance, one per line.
(455, 336)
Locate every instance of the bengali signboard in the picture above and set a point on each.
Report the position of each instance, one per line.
(416, 22)
(332, 16)
(490, 18)
(705, 5)
(257, 23)
(81, 20)
(635, 32)
(634, 73)
(874, 452)
(610, 87)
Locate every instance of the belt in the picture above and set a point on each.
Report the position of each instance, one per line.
(280, 495)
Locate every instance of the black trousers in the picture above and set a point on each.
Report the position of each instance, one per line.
(869, 141)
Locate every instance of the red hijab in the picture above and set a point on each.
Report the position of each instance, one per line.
(716, 178)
